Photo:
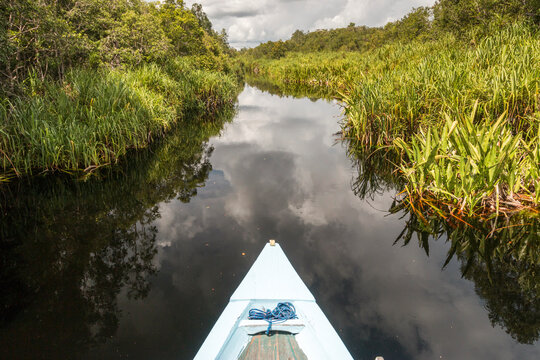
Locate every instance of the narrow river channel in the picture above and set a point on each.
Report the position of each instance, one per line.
(150, 262)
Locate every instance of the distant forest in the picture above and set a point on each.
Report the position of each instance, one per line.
(455, 16)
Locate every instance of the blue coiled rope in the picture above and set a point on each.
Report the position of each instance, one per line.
(283, 312)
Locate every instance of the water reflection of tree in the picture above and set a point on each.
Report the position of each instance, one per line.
(500, 255)
(512, 298)
(68, 248)
(376, 170)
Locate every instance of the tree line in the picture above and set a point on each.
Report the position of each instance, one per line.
(47, 37)
(424, 23)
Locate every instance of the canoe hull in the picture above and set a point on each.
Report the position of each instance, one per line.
(270, 280)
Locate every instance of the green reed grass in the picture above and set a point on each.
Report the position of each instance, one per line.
(397, 88)
(471, 165)
(402, 89)
(91, 119)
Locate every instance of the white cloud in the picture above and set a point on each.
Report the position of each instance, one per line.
(250, 22)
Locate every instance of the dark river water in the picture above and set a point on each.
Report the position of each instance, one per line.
(140, 265)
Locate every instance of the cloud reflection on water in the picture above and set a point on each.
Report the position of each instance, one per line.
(277, 175)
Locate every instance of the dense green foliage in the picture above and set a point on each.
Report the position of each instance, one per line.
(448, 98)
(49, 37)
(82, 82)
(402, 93)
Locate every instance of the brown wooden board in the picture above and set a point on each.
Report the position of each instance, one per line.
(277, 346)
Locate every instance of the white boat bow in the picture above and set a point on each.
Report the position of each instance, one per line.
(272, 279)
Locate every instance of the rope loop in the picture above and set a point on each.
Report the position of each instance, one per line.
(283, 312)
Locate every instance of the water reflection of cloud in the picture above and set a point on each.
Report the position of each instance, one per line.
(278, 178)
(265, 186)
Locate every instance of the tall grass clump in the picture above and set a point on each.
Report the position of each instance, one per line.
(501, 74)
(470, 167)
(204, 88)
(91, 119)
(330, 69)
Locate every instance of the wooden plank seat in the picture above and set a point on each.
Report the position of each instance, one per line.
(276, 346)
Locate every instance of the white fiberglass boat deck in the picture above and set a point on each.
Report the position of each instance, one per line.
(271, 280)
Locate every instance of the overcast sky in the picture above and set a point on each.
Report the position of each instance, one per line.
(250, 22)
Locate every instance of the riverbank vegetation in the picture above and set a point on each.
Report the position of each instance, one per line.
(83, 82)
(453, 90)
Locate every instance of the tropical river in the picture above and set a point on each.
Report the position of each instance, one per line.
(139, 265)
